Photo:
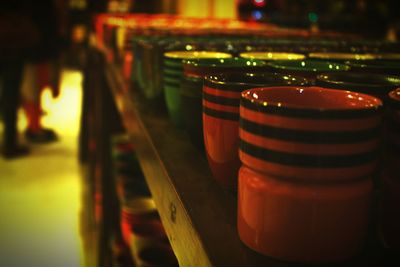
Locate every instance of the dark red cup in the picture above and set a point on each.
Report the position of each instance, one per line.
(221, 97)
(305, 185)
(390, 204)
(139, 210)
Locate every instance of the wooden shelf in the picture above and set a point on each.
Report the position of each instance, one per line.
(199, 216)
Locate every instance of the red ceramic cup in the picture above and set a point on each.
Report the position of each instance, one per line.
(390, 216)
(221, 96)
(139, 210)
(305, 184)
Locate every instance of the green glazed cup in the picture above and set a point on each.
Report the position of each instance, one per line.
(172, 77)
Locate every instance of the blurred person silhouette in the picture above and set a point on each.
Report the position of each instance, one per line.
(36, 77)
(26, 35)
(42, 70)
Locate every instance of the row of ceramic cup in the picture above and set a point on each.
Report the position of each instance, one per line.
(141, 227)
(181, 67)
(221, 98)
(148, 51)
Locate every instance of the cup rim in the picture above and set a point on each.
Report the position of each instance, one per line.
(301, 65)
(232, 62)
(341, 56)
(375, 64)
(339, 109)
(196, 54)
(387, 56)
(337, 80)
(221, 80)
(261, 55)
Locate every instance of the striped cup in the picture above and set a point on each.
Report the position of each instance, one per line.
(305, 183)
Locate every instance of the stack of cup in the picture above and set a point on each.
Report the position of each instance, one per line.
(305, 185)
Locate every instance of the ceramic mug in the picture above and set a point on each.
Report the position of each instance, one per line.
(305, 183)
(173, 74)
(221, 96)
(136, 210)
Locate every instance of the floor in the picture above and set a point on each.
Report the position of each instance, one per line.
(40, 195)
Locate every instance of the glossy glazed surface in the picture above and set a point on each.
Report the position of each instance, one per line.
(302, 222)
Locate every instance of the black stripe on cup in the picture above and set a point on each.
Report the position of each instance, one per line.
(310, 113)
(221, 114)
(172, 84)
(310, 137)
(230, 88)
(227, 101)
(173, 73)
(173, 64)
(304, 160)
